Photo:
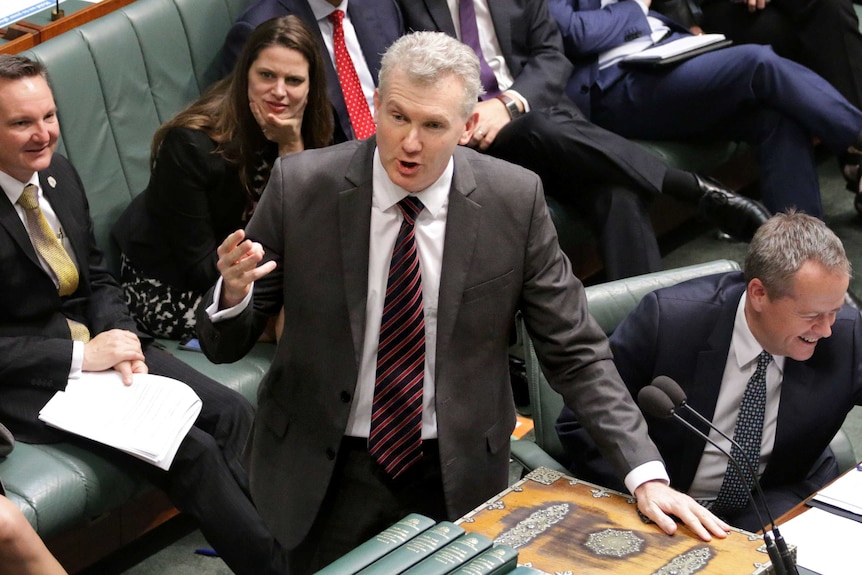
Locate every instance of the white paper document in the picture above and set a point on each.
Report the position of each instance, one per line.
(677, 47)
(148, 419)
(825, 543)
(844, 493)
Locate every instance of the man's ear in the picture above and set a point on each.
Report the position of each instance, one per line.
(472, 122)
(756, 294)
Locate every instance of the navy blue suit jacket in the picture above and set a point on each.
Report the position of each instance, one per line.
(378, 23)
(588, 30)
(684, 332)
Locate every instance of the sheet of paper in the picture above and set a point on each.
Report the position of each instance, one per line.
(685, 44)
(148, 419)
(825, 543)
(845, 492)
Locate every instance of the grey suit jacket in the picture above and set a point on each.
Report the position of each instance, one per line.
(500, 254)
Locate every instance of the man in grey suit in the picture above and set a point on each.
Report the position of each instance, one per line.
(481, 246)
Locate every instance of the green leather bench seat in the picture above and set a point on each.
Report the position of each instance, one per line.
(115, 80)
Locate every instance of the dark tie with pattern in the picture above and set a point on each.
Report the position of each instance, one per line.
(470, 37)
(735, 490)
(395, 440)
(354, 98)
(48, 245)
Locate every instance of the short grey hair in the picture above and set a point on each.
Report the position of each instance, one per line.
(426, 57)
(16, 67)
(784, 243)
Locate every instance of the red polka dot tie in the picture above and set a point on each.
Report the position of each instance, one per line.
(357, 105)
(395, 440)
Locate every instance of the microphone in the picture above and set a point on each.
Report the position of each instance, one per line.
(654, 401)
(676, 394)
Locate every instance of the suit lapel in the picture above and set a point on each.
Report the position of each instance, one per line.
(439, 12)
(462, 226)
(705, 385)
(12, 223)
(502, 27)
(354, 217)
(364, 20)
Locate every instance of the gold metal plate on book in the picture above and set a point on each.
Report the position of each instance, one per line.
(560, 524)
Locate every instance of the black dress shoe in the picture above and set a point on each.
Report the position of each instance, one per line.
(737, 216)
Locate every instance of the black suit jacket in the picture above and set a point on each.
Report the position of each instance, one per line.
(528, 37)
(500, 254)
(378, 23)
(35, 342)
(684, 332)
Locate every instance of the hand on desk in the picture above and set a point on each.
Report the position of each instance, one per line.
(658, 501)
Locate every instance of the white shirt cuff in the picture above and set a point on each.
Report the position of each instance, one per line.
(217, 315)
(77, 360)
(649, 471)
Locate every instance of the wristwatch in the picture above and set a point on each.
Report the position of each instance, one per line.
(511, 106)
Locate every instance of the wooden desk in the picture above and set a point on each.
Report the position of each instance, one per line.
(39, 27)
(560, 524)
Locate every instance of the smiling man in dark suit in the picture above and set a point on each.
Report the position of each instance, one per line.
(473, 242)
(708, 333)
(61, 314)
(370, 26)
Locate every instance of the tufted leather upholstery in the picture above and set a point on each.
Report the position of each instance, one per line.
(115, 80)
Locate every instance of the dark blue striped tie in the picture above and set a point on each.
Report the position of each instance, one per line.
(395, 440)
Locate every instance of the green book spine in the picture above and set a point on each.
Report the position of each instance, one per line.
(452, 556)
(390, 538)
(496, 560)
(415, 550)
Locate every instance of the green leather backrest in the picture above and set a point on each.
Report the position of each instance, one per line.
(117, 78)
(609, 303)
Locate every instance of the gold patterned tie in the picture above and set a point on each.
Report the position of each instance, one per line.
(52, 251)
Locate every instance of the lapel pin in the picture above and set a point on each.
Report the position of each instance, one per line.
(52, 182)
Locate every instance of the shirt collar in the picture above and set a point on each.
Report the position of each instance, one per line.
(322, 9)
(386, 194)
(14, 188)
(745, 345)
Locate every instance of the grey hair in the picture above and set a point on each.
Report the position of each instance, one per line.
(426, 57)
(784, 243)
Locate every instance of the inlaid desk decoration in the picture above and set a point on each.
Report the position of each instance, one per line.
(562, 525)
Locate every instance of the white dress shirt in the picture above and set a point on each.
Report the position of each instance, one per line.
(740, 366)
(490, 46)
(13, 189)
(322, 9)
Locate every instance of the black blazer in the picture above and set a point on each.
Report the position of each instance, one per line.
(35, 342)
(529, 40)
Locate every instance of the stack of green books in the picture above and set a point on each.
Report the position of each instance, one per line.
(417, 545)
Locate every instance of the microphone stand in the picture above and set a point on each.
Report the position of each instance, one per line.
(56, 13)
(778, 559)
(783, 550)
(677, 397)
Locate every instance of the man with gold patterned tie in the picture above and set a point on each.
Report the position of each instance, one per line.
(61, 314)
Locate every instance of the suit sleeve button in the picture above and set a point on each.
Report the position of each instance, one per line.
(330, 453)
(585, 89)
(345, 396)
